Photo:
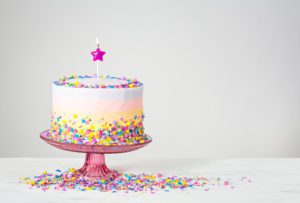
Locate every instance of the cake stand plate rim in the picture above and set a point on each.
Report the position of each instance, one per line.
(97, 149)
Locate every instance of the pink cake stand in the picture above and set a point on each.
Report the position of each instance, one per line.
(94, 166)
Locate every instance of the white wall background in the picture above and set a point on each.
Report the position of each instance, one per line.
(222, 78)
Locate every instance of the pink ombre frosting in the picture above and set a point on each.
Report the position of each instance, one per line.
(110, 104)
(95, 114)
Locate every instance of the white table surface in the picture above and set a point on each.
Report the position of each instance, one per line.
(272, 180)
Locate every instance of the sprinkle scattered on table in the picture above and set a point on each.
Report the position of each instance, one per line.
(71, 180)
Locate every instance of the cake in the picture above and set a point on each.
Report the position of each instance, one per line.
(97, 111)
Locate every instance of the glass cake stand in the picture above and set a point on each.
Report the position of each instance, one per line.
(94, 166)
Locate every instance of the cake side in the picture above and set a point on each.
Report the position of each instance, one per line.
(97, 115)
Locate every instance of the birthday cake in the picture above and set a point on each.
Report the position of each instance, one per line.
(95, 110)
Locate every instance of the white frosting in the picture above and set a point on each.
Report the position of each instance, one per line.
(94, 81)
(70, 93)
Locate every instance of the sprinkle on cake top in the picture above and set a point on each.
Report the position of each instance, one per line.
(91, 81)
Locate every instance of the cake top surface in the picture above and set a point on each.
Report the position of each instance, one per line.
(103, 82)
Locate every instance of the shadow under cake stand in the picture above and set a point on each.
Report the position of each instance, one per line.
(94, 166)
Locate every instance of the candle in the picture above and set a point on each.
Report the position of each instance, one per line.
(98, 55)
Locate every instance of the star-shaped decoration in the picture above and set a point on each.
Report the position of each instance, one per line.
(98, 54)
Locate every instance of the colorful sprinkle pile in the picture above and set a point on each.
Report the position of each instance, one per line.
(71, 180)
(124, 82)
(77, 130)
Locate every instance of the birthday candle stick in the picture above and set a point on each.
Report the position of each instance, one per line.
(98, 55)
(98, 45)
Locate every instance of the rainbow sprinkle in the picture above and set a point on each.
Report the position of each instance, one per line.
(83, 131)
(71, 180)
(124, 82)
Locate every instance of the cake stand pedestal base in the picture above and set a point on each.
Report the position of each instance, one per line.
(95, 168)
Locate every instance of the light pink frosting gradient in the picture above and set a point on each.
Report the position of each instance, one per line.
(107, 104)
